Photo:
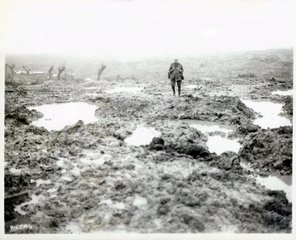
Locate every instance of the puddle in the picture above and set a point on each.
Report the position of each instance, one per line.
(277, 183)
(273, 183)
(57, 116)
(107, 201)
(139, 201)
(60, 163)
(35, 199)
(14, 171)
(283, 93)
(142, 136)
(73, 227)
(194, 87)
(52, 190)
(89, 79)
(216, 143)
(67, 179)
(119, 205)
(75, 172)
(270, 114)
(208, 127)
(125, 89)
(190, 86)
(20, 72)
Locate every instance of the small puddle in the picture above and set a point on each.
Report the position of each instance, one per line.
(125, 89)
(216, 143)
(190, 86)
(15, 171)
(89, 79)
(277, 183)
(57, 116)
(67, 179)
(60, 163)
(283, 93)
(142, 136)
(209, 127)
(139, 201)
(194, 87)
(270, 114)
(73, 227)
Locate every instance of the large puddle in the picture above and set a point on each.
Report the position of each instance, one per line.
(142, 136)
(269, 112)
(57, 116)
(216, 143)
(283, 93)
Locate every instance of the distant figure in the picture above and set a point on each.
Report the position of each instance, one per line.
(176, 75)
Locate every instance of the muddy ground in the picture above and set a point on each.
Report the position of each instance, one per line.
(98, 183)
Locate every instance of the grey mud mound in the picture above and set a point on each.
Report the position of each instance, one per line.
(269, 150)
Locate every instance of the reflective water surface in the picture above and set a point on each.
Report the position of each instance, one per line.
(57, 116)
(142, 136)
(269, 112)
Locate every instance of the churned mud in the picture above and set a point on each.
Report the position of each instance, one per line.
(86, 156)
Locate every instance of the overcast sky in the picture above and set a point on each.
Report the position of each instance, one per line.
(139, 28)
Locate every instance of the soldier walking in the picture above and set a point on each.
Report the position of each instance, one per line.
(175, 74)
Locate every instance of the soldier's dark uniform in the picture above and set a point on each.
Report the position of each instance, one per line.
(176, 75)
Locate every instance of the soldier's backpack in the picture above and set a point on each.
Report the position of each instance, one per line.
(176, 72)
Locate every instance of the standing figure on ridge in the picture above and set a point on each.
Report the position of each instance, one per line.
(176, 75)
